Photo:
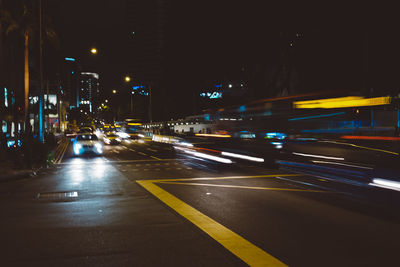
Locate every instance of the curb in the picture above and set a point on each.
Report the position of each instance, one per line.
(20, 176)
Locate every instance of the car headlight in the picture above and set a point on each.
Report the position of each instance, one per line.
(77, 149)
(78, 146)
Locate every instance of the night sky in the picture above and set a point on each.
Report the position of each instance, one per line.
(351, 47)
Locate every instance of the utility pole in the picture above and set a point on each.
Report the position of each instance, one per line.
(47, 105)
(150, 114)
(41, 130)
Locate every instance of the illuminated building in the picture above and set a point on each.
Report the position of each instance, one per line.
(89, 91)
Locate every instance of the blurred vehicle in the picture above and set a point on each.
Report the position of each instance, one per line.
(86, 130)
(111, 139)
(87, 143)
(131, 130)
(71, 130)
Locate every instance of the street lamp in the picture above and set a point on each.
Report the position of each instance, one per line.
(114, 91)
(127, 79)
(93, 51)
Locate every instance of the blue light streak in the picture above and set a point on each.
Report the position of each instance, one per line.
(69, 59)
(318, 116)
(5, 98)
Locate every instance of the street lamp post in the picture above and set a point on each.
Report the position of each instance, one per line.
(132, 104)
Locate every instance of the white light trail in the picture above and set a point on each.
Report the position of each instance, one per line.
(239, 156)
(205, 156)
(316, 156)
(379, 182)
(342, 164)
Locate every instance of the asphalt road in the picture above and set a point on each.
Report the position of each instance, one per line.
(141, 204)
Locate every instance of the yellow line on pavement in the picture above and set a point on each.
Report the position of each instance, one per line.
(243, 249)
(224, 178)
(123, 161)
(155, 158)
(364, 147)
(63, 152)
(248, 187)
(58, 151)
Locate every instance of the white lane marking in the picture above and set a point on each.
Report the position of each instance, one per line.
(141, 153)
(155, 158)
(152, 150)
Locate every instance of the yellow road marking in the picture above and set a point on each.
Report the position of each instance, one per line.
(364, 147)
(243, 249)
(224, 178)
(248, 187)
(58, 151)
(63, 153)
(155, 158)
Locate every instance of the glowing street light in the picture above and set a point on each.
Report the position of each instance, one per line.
(127, 79)
(93, 51)
(114, 91)
(106, 101)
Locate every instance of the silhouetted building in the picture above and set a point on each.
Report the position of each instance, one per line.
(69, 82)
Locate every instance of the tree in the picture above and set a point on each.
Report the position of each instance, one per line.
(7, 25)
(26, 24)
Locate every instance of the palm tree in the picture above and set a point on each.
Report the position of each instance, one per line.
(7, 24)
(26, 24)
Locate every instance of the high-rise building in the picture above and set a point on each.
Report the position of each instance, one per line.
(69, 85)
(147, 23)
(89, 91)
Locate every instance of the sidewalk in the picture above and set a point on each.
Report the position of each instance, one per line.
(8, 172)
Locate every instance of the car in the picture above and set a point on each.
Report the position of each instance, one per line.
(86, 130)
(87, 143)
(111, 139)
